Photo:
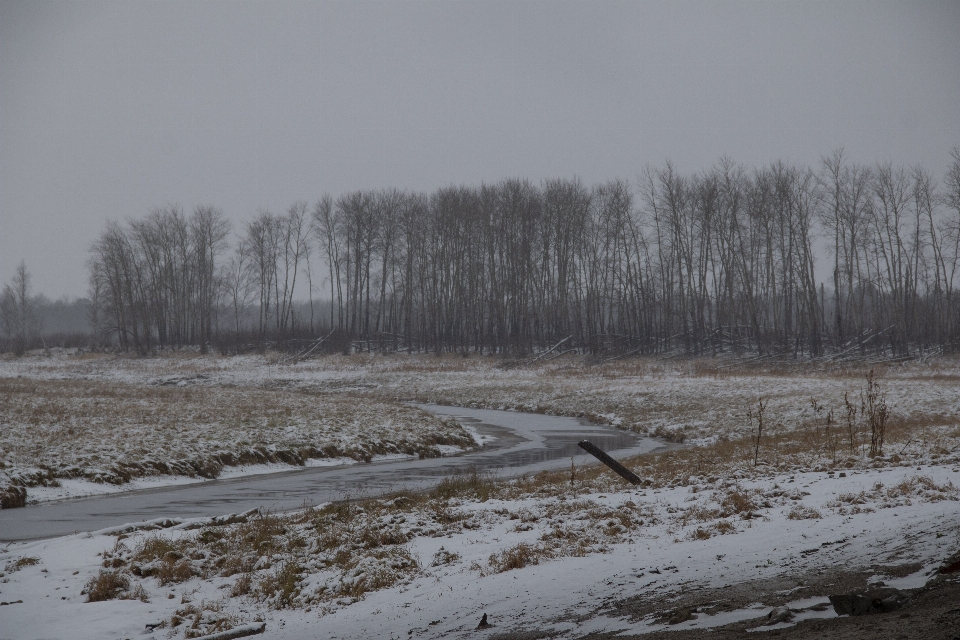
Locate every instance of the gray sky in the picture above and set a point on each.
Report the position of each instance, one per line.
(110, 109)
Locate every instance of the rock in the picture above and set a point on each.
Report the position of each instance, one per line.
(778, 615)
(893, 602)
(855, 604)
(951, 568)
(851, 604)
(681, 615)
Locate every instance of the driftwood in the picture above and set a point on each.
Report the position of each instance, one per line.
(237, 632)
(545, 353)
(618, 468)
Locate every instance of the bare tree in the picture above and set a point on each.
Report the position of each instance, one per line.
(237, 284)
(723, 259)
(293, 232)
(949, 247)
(262, 242)
(208, 231)
(16, 311)
(326, 228)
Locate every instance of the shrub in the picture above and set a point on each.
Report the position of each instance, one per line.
(723, 527)
(174, 569)
(873, 407)
(242, 586)
(154, 548)
(737, 502)
(282, 585)
(13, 497)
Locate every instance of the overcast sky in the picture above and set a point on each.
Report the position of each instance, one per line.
(110, 109)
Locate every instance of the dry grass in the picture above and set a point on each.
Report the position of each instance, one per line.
(904, 493)
(156, 556)
(351, 548)
(922, 487)
(517, 557)
(738, 501)
(202, 620)
(282, 585)
(355, 545)
(684, 400)
(803, 512)
(113, 585)
(24, 561)
(730, 502)
(700, 534)
(113, 432)
(473, 485)
(444, 557)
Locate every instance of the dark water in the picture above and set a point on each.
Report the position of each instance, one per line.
(522, 443)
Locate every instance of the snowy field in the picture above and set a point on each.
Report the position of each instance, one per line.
(729, 534)
(113, 420)
(75, 426)
(565, 561)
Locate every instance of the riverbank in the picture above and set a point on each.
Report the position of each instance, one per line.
(749, 525)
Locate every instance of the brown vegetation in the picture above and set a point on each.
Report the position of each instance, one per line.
(114, 432)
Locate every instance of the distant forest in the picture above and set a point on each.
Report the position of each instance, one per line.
(725, 260)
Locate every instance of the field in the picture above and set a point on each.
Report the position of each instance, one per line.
(78, 426)
(775, 504)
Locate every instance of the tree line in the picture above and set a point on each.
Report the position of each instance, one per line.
(726, 259)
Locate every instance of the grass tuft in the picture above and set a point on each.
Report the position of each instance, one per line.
(107, 585)
(20, 563)
(471, 485)
(802, 512)
(517, 557)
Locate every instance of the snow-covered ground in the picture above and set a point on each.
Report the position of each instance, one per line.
(631, 579)
(74, 426)
(112, 419)
(726, 531)
(80, 488)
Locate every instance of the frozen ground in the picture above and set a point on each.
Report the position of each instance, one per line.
(724, 536)
(109, 420)
(75, 426)
(629, 577)
(81, 488)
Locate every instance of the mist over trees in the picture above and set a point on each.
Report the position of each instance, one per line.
(29, 321)
(724, 260)
(17, 318)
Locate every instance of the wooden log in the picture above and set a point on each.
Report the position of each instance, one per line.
(618, 468)
(237, 632)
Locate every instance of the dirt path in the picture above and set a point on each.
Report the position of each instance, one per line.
(931, 612)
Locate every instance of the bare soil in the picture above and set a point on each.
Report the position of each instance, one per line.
(931, 612)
